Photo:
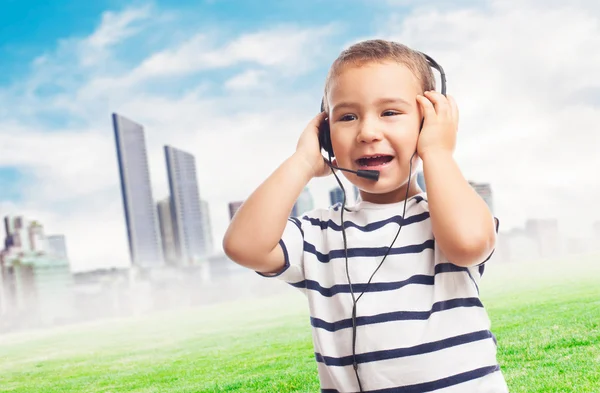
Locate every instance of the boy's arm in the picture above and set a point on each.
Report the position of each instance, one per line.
(252, 238)
(461, 221)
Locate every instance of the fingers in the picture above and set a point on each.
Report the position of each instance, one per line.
(434, 103)
(318, 119)
(453, 109)
(442, 107)
(426, 106)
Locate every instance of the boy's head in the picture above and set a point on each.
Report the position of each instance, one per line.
(370, 97)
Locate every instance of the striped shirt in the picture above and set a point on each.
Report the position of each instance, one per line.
(421, 326)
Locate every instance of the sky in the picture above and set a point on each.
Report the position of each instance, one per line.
(235, 83)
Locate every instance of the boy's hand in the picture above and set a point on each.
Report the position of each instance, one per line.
(309, 150)
(440, 125)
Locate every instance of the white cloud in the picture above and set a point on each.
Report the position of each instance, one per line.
(247, 80)
(115, 27)
(286, 49)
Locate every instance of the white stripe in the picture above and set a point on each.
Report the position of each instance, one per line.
(417, 369)
(329, 239)
(403, 334)
(395, 268)
(414, 297)
(491, 383)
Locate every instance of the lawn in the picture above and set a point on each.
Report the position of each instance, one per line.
(546, 317)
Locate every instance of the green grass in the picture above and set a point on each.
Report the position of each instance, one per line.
(546, 318)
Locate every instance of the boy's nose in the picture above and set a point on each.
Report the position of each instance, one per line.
(369, 132)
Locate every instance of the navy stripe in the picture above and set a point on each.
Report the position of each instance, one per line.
(286, 266)
(298, 224)
(405, 352)
(421, 279)
(368, 251)
(482, 264)
(434, 385)
(397, 315)
(295, 221)
(448, 267)
(420, 199)
(373, 287)
(369, 227)
(300, 284)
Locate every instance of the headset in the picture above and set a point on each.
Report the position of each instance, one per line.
(325, 143)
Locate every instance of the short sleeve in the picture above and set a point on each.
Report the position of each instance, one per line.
(481, 266)
(292, 244)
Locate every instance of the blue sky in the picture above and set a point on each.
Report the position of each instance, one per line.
(234, 83)
(32, 30)
(29, 28)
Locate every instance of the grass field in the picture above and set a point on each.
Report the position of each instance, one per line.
(546, 318)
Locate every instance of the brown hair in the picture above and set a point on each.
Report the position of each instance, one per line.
(377, 51)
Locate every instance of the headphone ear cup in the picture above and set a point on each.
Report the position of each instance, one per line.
(325, 137)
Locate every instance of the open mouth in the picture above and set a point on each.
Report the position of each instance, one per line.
(374, 161)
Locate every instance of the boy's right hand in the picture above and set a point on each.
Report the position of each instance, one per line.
(309, 149)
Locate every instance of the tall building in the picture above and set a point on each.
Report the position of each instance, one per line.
(233, 208)
(485, 191)
(190, 240)
(596, 235)
(206, 226)
(57, 246)
(167, 235)
(545, 234)
(140, 215)
(356, 193)
(421, 180)
(36, 283)
(336, 195)
(303, 204)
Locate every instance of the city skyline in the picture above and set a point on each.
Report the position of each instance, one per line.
(198, 78)
(35, 273)
(182, 219)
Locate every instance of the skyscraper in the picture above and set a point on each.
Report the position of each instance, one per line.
(35, 278)
(57, 246)
(140, 215)
(233, 208)
(167, 235)
(421, 180)
(303, 204)
(545, 234)
(190, 240)
(336, 195)
(206, 226)
(485, 191)
(356, 193)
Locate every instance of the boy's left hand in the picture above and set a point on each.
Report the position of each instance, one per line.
(440, 125)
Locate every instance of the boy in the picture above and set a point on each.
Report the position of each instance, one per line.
(420, 325)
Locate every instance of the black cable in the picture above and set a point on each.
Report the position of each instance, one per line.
(354, 300)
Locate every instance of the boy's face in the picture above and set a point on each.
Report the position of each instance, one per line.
(375, 119)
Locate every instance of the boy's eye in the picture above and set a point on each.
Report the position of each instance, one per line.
(390, 113)
(347, 118)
